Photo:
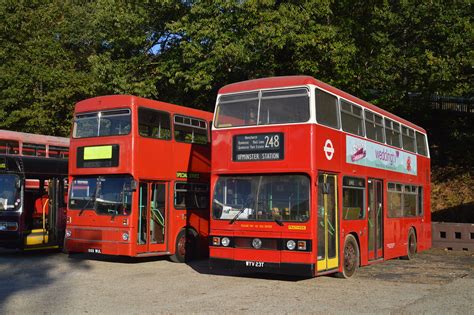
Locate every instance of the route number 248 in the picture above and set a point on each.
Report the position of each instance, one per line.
(272, 141)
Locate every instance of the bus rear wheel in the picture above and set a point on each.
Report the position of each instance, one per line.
(411, 245)
(351, 257)
(185, 246)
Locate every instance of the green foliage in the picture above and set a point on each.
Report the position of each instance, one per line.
(224, 41)
(54, 53)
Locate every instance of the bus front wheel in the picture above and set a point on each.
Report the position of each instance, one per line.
(411, 245)
(351, 257)
(185, 246)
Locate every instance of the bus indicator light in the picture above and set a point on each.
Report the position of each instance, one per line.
(216, 241)
(301, 245)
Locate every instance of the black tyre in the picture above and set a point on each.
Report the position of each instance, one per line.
(185, 248)
(351, 257)
(63, 248)
(411, 245)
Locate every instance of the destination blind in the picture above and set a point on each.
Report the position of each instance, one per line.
(258, 147)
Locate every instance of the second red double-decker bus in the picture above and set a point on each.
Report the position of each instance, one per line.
(139, 172)
(33, 183)
(310, 180)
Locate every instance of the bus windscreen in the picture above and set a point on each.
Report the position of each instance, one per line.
(9, 192)
(106, 195)
(282, 198)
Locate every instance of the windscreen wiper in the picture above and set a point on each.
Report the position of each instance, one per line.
(237, 215)
(88, 201)
(280, 222)
(85, 206)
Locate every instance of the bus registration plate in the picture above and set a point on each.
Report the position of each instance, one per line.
(258, 264)
(94, 250)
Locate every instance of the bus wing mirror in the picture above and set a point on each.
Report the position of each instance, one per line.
(133, 185)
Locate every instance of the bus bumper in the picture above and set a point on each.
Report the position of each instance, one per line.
(98, 247)
(294, 269)
(10, 240)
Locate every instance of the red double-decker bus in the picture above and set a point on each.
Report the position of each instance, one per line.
(33, 185)
(139, 172)
(310, 180)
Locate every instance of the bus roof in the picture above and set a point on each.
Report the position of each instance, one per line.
(33, 138)
(120, 101)
(299, 80)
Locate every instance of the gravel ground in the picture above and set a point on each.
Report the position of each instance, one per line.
(438, 282)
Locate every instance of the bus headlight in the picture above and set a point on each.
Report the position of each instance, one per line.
(291, 245)
(225, 241)
(68, 233)
(125, 236)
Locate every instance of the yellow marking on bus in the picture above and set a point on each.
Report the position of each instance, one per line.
(297, 227)
(98, 153)
(3, 165)
(257, 226)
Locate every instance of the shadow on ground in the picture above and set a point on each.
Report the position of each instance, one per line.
(202, 267)
(430, 267)
(83, 257)
(32, 271)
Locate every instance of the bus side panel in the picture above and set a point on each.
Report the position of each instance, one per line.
(199, 221)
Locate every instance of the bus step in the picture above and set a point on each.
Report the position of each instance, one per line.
(36, 237)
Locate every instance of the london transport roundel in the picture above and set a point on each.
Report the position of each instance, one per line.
(328, 149)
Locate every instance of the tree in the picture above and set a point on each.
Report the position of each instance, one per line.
(219, 42)
(55, 53)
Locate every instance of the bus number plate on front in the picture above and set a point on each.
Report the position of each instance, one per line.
(94, 250)
(258, 147)
(258, 264)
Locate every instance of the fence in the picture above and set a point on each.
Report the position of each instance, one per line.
(453, 236)
(444, 103)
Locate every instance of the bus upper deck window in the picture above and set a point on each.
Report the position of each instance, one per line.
(392, 133)
(102, 123)
(351, 118)
(265, 107)
(9, 147)
(326, 109)
(408, 139)
(154, 124)
(421, 146)
(374, 126)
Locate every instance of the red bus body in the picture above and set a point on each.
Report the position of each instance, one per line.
(151, 165)
(33, 174)
(327, 161)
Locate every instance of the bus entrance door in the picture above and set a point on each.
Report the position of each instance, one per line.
(328, 230)
(375, 218)
(152, 216)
